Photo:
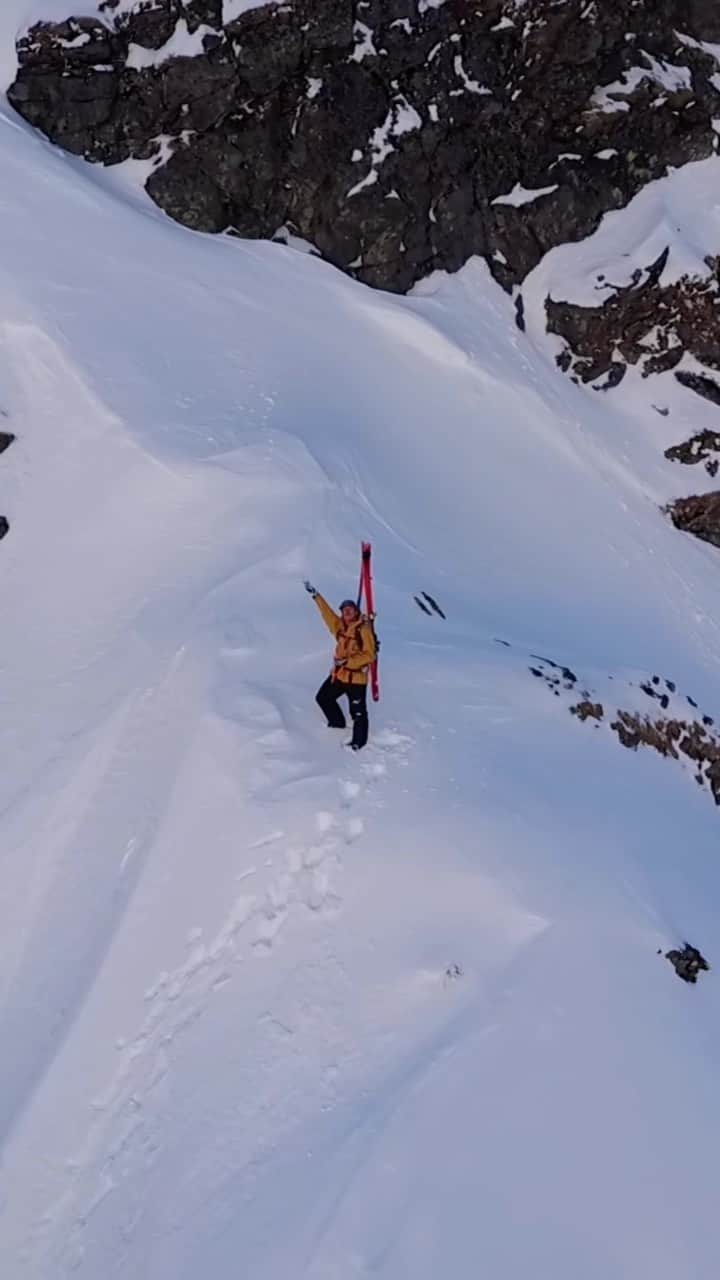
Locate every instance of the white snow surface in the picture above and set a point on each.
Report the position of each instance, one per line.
(521, 195)
(401, 118)
(182, 44)
(609, 98)
(472, 86)
(233, 9)
(705, 46)
(364, 46)
(270, 1010)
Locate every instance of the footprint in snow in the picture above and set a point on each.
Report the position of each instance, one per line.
(271, 838)
(294, 859)
(316, 891)
(278, 894)
(268, 927)
(354, 828)
(158, 986)
(377, 770)
(316, 854)
(388, 738)
(349, 791)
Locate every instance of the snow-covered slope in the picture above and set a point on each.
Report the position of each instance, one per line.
(269, 1011)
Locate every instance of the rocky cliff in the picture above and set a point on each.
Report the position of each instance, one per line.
(396, 136)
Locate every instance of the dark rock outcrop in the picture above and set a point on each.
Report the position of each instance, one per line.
(654, 327)
(699, 514)
(673, 738)
(702, 447)
(646, 324)
(668, 728)
(397, 136)
(6, 439)
(704, 386)
(688, 963)
(586, 710)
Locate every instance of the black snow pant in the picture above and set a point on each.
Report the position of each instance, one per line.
(327, 698)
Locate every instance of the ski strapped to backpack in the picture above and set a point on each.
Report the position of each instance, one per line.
(366, 590)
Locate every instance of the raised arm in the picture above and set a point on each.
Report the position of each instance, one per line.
(328, 615)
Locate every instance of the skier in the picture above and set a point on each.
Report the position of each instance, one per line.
(355, 651)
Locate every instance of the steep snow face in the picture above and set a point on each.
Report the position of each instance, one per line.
(268, 1010)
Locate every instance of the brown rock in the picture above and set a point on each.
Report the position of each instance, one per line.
(699, 515)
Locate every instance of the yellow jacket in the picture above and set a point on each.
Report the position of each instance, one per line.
(355, 644)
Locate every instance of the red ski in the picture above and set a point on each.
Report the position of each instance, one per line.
(366, 590)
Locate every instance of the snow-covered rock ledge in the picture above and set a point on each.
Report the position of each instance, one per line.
(396, 136)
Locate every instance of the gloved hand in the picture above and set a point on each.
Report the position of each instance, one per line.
(310, 588)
